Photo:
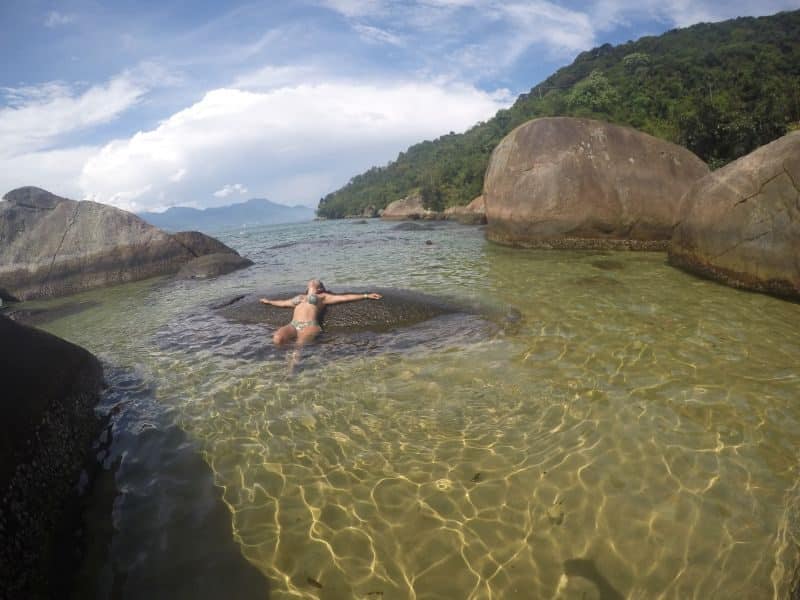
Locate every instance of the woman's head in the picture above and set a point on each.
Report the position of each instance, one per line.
(315, 286)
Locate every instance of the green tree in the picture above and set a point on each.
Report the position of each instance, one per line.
(594, 93)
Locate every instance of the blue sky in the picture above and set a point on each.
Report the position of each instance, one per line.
(146, 105)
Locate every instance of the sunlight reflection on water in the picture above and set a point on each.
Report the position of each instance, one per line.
(635, 435)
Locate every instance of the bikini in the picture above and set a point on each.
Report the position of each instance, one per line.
(300, 325)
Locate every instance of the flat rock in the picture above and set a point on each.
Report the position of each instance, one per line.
(212, 265)
(576, 183)
(413, 226)
(397, 308)
(741, 224)
(52, 246)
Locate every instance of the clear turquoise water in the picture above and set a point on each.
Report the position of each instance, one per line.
(635, 435)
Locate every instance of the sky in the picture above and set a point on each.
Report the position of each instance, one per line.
(146, 105)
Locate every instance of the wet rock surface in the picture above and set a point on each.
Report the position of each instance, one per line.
(212, 265)
(397, 308)
(240, 328)
(156, 472)
(50, 388)
(39, 316)
(741, 224)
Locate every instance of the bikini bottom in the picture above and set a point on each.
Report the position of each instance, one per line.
(300, 325)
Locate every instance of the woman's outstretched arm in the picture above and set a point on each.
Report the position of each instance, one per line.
(339, 298)
(290, 303)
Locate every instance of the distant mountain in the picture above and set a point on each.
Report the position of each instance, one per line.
(257, 211)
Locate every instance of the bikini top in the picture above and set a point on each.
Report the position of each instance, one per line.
(310, 298)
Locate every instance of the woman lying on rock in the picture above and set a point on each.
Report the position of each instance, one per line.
(307, 307)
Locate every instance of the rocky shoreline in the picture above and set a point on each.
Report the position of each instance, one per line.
(565, 183)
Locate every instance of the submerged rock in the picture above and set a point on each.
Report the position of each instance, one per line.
(608, 265)
(54, 246)
(50, 389)
(39, 316)
(576, 183)
(212, 265)
(741, 224)
(412, 226)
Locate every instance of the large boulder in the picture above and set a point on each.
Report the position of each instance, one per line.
(741, 224)
(52, 246)
(212, 265)
(50, 388)
(200, 244)
(576, 183)
(473, 213)
(410, 207)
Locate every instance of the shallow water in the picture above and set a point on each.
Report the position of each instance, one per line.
(634, 435)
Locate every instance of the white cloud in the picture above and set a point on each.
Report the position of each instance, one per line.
(478, 38)
(472, 38)
(36, 117)
(560, 30)
(37, 120)
(56, 19)
(230, 189)
(178, 175)
(271, 77)
(355, 8)
(327, 132)
(608, 14)
(57, 171)
(377, 35)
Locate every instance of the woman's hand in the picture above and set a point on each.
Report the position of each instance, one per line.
(265, 301)
(374, 296)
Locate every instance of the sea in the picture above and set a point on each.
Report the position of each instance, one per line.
(632, 431)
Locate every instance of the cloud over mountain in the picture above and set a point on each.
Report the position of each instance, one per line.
(263, 140)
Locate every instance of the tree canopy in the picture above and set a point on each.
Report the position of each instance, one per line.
(720, 89)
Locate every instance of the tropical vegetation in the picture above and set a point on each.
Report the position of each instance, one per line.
(720, 89)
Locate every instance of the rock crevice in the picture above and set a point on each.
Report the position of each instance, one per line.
(70, 224)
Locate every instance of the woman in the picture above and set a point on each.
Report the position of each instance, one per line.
(307, 307)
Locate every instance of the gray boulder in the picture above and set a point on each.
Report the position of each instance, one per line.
(52, 246)
(473, 213)
(50, 388)
(576, 183)
(741, 224)
(200, 244)
(212, 265)
(410, 207)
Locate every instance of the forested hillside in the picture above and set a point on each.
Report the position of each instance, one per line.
(720, 89)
